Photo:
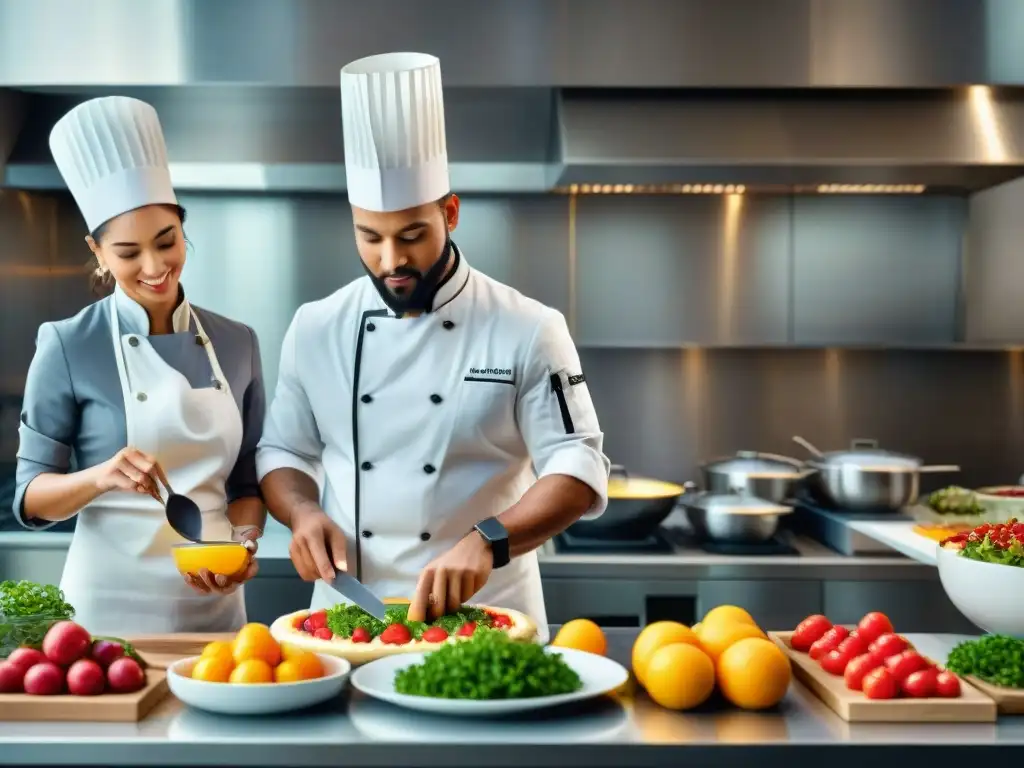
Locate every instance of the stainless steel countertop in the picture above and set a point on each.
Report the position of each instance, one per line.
(624, 731)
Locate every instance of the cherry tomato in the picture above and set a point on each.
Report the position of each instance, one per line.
(889, 645)
(854, 645)
(858, 668)
(921, 684)
(318, 620)
(809, 631)
(396, 634)
(435, 635)
(360, 635)
(947, 685)
(500, 621)
(323, 634)
(880, 684)
(828, 642)
(902, 665)
(834, 662)
(298, 622)
(467, 629)
(873, 626)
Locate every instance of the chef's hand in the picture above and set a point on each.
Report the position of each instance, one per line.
(452, 579)
(129, 470)
(205, 582)
(318, 545)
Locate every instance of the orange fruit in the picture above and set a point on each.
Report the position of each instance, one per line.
(680, 676)
(581, 635)
(252, 671)
(288, 671)
(213, 669)
(729, 613)
(254, 641)
(754, 673)
(716, 636)
(306, 665)
(696, 628)
(219, 649)
(655, 636)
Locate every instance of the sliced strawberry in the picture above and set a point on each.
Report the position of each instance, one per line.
(307, 626)
(500, 621)
(318, 619)
(435, 635)
(467, 629)
(396, 634)
(360, 635)
(323, 634)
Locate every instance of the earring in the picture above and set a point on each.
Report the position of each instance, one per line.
(100, 271)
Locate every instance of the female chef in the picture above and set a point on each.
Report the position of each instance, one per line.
(138, 388)
(437, 396)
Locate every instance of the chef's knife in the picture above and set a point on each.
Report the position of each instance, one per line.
(354, 590)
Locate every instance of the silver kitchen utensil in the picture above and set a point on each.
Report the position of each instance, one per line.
(182, 514)
(355, 591)
(762, 475)
(733, 517)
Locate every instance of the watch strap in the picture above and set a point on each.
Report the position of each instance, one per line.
(495, 534)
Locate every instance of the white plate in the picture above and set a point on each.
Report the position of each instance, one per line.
(598, 674)
(256, 698)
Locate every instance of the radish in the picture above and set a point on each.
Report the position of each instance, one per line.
(44, 679)
(106, 652)
(86, 678)
(26, 658)
(66, 643)
(125, 675)
(12, 677)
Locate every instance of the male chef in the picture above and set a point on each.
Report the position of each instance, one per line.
(431, 427)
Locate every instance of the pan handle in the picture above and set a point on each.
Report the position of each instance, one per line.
(863, 442)
(618, 469)
(939, 468)
(806, 445)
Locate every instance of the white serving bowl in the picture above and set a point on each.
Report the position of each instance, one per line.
(985, 593)
(1001, 508)
(256, 698)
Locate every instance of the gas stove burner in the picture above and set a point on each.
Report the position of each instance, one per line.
(656, 543)
(749, 549)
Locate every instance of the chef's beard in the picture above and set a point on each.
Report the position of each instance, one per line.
(425, 286)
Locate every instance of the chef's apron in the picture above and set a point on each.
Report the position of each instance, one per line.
(119, 574)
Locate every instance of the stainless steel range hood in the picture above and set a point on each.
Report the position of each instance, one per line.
(544, 94)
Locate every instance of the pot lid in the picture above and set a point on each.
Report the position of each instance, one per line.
(737, 504)
(761, 464)
(872, 460)
(622, 485)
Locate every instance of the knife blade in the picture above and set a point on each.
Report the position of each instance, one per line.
(355, 591)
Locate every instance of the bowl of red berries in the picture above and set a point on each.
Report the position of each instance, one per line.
(982, 571)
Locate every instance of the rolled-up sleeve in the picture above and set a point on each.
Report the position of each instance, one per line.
(556, 414)
(49, 418)
(291, 438)
(243, 481)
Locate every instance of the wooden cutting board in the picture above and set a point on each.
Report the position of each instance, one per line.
(105, 708)
(1009, 701)
(973, 706)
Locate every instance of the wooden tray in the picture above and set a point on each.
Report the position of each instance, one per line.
(1009, 701)
(105, 708)
(854, 707)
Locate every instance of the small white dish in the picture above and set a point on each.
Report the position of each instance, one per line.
(598, 674)
(984, 592)
(256, 698)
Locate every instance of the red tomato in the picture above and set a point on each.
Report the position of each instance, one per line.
(323, 634)
(902, 665)
(880, 684)
(858, 668)
(873, 626)
(318, 620)
(298, 622)
(921, 684)
(834, 662)
(828, 642)
(854, 645)
(889, 645)
(467, 629)
(360, 635)
(809, 631)
(435, 635)
(500, 621)
(396, 634)
(947, 685)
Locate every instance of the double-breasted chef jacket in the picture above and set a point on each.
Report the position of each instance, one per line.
(417, 428)
(85, 375)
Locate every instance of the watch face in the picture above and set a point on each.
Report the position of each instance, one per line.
(492, 529)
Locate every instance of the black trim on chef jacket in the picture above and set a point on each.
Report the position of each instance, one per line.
(563, 406)
(364, 326)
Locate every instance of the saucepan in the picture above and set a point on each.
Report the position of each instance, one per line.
(735, 517)
(762, 475)
(865, 477)
(636, 507)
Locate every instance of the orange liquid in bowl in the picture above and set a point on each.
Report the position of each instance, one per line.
(223, 558)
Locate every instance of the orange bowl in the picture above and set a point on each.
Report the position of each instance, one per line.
(222, 558)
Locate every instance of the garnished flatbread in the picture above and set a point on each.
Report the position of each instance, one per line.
(350, 633)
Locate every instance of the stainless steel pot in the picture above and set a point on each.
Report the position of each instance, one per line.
(762, 475)
(733, 517)
(636, 507)
(866, 477)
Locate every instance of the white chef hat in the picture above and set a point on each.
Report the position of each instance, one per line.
(396, 155)
(112, 156)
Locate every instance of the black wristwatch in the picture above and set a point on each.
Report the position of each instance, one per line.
(494, 533)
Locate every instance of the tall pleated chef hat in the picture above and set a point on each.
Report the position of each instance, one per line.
(112, 155)
(396, 155)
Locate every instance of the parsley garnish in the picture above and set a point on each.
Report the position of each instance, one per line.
(343, 619)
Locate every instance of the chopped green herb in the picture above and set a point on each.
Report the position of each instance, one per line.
(996, 659)
(488, 666)
(27, 611)
(956, 501)
(343, 619)
(987, 551)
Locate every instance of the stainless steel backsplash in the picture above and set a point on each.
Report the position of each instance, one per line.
(666, 405)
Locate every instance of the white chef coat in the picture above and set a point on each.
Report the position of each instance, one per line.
(418, 428)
